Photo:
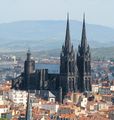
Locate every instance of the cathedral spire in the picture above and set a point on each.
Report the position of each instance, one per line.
(67, 37)
(84, 62)
(84, 38)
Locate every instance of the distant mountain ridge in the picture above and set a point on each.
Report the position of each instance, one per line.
(104, 52)
(50, 34)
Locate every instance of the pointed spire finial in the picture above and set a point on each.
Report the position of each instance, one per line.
(84, 39)
(67, 37)
(84, 23)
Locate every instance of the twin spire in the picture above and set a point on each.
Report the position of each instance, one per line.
(84, 38)
(68, 45)
(67, 37)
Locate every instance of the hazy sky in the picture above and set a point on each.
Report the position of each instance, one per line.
(97, 11)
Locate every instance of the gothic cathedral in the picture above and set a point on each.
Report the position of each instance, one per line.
(75, 69)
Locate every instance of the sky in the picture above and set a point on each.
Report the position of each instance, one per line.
(97, 11)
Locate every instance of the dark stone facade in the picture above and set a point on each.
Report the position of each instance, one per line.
(75, 71)
(84, 63)
(68, 67)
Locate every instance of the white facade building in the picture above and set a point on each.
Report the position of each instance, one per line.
(52, 107)
(95, 88)
(18, 97)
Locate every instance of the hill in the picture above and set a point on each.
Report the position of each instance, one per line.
(105, 52)
(47, 35)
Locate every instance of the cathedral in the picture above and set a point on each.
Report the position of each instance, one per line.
(75, 70)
